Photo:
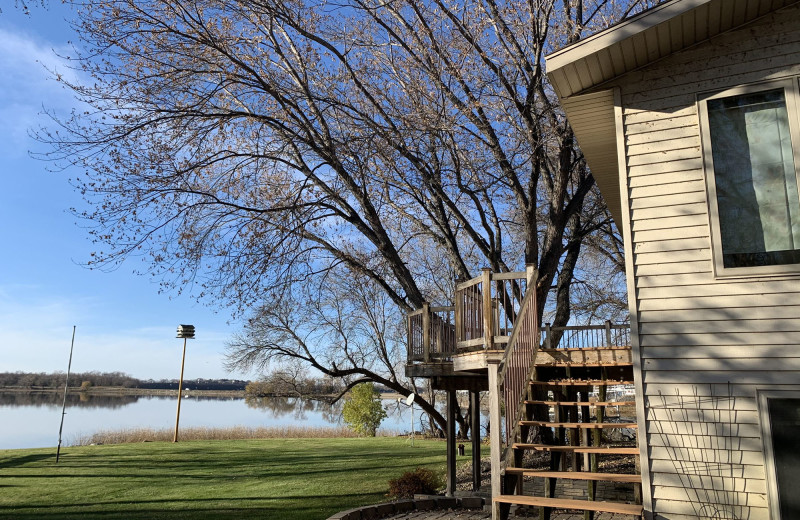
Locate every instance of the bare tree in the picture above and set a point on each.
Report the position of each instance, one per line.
(309, 162)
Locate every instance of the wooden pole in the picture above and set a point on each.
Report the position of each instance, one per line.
(451, 443)
(64, 405)
(426, 332)
(530, 275)
(495, 443)
(458, 312)
(180, 391)
(488, 322)
(475, 408)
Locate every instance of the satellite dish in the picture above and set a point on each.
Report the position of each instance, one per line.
(410, 399)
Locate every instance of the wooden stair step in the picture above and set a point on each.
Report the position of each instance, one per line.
(581, 425)
(583, 403)
(580, 382)
(611, 450)
(577, 475)
(564, 503)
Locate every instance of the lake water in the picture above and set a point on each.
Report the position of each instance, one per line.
(32, 420)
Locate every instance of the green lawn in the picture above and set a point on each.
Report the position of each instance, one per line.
(272, 479)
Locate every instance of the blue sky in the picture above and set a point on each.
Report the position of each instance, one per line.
(123, 323)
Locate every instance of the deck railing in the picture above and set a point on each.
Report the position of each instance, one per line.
(518, 361)
(431, 334)
(586, 336)
(486, 308)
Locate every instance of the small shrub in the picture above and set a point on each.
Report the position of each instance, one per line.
(420, 481)
(86, 385)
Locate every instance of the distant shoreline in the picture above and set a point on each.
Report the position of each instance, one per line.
(155, 392)
(112, 391)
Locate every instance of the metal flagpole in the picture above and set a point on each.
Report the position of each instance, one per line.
(64, 406)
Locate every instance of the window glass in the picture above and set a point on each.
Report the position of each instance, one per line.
(756, 184)
(784, 417)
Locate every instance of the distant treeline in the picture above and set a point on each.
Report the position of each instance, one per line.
(87, 380)
(285, 383)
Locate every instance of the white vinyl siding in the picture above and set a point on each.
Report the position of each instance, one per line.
(706, 344)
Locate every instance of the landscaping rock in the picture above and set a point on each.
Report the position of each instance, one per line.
(471, 502)
(403, 506)
(425, 504)
(446, 502)
(385, 509)
(350, 514)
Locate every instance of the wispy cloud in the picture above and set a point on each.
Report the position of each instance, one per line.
(27, 86)
(35, 332)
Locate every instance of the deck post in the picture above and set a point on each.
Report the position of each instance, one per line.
(608, 333)
(426, 332)
(488, 312)
(530, 276)
(548, 335)
(458, 312)
(451, 443)
(495, 428)
(475, 408)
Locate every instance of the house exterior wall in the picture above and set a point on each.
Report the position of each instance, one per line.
(705, 344)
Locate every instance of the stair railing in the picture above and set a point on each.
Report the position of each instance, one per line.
(586, 336)
(519, 358)
(431, 334)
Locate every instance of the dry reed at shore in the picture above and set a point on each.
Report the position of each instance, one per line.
(235, 432)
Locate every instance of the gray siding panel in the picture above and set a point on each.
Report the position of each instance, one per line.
(707, 344)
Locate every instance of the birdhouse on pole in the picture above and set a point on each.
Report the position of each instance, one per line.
(186, 331)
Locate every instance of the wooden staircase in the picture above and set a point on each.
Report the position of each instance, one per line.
(572, 431)
(541, 377)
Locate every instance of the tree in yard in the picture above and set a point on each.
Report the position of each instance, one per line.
(362, 410)
(325, 168)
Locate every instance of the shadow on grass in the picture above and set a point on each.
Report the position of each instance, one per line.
(164, 481)
(13, 462)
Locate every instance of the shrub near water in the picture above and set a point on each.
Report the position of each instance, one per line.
(363, 411)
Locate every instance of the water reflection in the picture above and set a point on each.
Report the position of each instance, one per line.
(48, 399)
(36, 415)
(299, 408)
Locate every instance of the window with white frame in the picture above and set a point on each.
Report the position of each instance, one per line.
(750, 144)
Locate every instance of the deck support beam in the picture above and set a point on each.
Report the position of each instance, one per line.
(451, 443)
(475, 427)
(495, 443)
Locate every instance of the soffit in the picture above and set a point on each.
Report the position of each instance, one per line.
(648, 37)
(587, 65)
(592, 119)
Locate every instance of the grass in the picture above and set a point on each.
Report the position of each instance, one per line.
(290, 479)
